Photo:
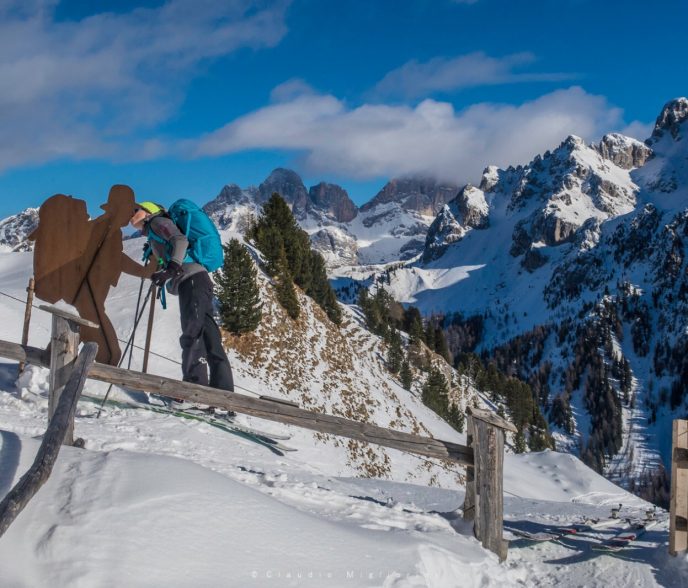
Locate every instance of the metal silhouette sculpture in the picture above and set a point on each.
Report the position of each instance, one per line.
(77, 260)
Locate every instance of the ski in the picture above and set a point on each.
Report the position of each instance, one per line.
(226, 424)
(230, 421)
(587, 526)
(592, 525)
(541, 536)
(624, 538)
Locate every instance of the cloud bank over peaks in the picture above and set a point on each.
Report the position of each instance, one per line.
(376, 140)
(440, 74)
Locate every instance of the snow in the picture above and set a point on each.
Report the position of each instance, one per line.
(155, 500)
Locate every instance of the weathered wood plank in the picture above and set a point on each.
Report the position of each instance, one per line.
(265, 409)
(681, 457)
(678, 507)
(469, 500)
(681, 523)
(27, 317)
(75, 318)
(491, 418)
(17, 499)
(489, 516)
(64, 346)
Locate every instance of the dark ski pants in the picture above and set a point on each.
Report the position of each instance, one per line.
(201, 341)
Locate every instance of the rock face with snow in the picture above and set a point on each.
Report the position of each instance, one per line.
(391, 227)
(580, 278)
(469, 210)
(670, 120)
(288, 184)
(15, 230)
(336, 246)
(333, 201)
(625, 152)
(562, 190)
(233, 208)
(425, 196)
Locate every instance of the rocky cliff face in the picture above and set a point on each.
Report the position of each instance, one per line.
(625, 152)
(422, 195)
(14, 230)
(469, 210)
(288, 184)
(670, 120)
(333, 201)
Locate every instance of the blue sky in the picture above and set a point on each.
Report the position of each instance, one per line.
(179, 98)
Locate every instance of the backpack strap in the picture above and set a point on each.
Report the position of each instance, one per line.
(153, 236)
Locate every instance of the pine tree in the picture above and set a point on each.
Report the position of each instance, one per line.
(320, 289)
(456, 418)
(416, 329)
(405, 374)
(277, 218)
(286, 295)
(519, 442)
(395, 354)
(237, 290)
(441, 345)
(277, 231)
(434, 393)
(430, 335)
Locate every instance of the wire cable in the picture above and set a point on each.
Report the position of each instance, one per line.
(131, 344)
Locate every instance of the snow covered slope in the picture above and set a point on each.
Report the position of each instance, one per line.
(310, 361)
(158, 500)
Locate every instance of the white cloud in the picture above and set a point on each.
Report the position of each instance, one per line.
(376, 140)
(638, 130)
(414, 79)
(73, 88)
(291, 89)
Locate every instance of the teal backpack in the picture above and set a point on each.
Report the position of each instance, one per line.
(205, 245)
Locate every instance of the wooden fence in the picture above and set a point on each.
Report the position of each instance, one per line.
(483, 456)
(678, 510)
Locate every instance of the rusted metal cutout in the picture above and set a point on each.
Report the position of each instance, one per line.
(78, 259)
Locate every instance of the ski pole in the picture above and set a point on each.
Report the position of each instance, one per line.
(136, 313)
(130, 342)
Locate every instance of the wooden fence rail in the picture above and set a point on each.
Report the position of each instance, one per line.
(483, 456)
(60, 423)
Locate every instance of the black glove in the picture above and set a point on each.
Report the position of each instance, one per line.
(172, 270)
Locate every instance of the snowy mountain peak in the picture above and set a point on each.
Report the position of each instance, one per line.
(15, 230)
(490, 178)
(674, 113)
(288, 184)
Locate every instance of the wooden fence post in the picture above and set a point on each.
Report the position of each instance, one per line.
(469, 500)
(18, 497)
(678, 509)
(27, 318)
(64, 346)
(488, 431)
